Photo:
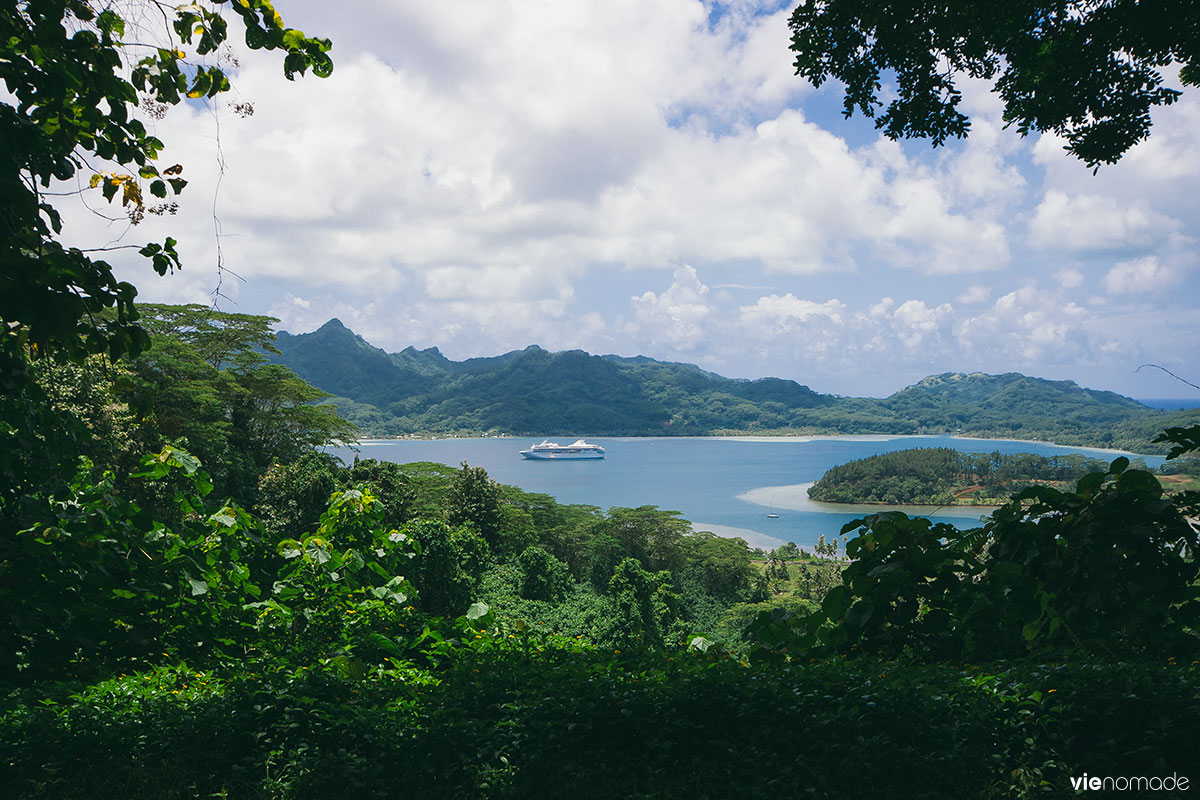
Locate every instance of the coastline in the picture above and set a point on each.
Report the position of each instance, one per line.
(816, 437)
(760, 437)
(752, 538)
(794, 497)
(1091, 448)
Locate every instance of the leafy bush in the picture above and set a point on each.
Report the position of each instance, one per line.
(510, 723)
(543, 577)
(1107, 568)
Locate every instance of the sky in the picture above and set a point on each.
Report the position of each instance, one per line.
(651, 178)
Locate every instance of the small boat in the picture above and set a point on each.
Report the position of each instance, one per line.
(772, 516)
(554, 451)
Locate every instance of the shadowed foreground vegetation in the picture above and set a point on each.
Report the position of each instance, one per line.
(513, 723)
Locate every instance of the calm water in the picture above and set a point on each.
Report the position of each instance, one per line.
(724, 485)
(1171, 403)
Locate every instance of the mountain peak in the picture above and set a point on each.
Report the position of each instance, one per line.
(535, 391)
(334, 324)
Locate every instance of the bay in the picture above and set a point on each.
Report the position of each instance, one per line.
(727, 485)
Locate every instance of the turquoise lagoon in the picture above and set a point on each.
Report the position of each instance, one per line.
(727, 485)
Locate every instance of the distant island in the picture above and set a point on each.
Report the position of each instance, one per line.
(939, 476)
(537, 392)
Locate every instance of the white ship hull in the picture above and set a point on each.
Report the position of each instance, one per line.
(550, 451)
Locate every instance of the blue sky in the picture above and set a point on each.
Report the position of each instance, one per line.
(650, 178)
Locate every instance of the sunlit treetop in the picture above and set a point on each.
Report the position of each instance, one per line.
(76, 72)
(1087, 70)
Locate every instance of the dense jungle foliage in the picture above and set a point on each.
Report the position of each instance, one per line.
(535, 392)
(138, 499)
(941, 476)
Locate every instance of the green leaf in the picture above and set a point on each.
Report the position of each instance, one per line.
(479, 616)
(201, 83)
(1089, 483)
(177, 456)
(835, 602)
(290, 548)
(293, 39)
(198, 587)
(322, 66)
(315, 549)
(393, 590)
(386, 645)
(859, 614)
(350, 667)
(110, 23)
(256, 38)
(352, 561)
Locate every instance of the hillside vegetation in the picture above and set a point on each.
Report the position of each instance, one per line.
(941, 476)
(536, 392)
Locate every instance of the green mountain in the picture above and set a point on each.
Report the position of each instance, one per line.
(537, 392)
(1014, 405)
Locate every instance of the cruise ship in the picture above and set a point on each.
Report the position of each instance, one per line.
(551, 450)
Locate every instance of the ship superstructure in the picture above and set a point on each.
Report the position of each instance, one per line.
(552, 450)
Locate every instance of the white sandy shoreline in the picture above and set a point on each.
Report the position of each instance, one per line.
(795, 498)
(752, 538)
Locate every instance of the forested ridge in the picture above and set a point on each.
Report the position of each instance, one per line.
(941, 476)
(536, 392)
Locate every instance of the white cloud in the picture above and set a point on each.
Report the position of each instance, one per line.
(1069, 278)
(925, 233)
(1138, 276)
(975, 295)
(1031, 329)
(482, 177)
(789, 309)
(918, 325)
(673, 318)
(1095, 222)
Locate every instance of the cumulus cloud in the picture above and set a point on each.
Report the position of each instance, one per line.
(917, 324)
(775, 315)
(1095, 222)
(1138, 276)
(552, 137)
(486, 177)
(1028, 327)
(923, 231)
(674, 318)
